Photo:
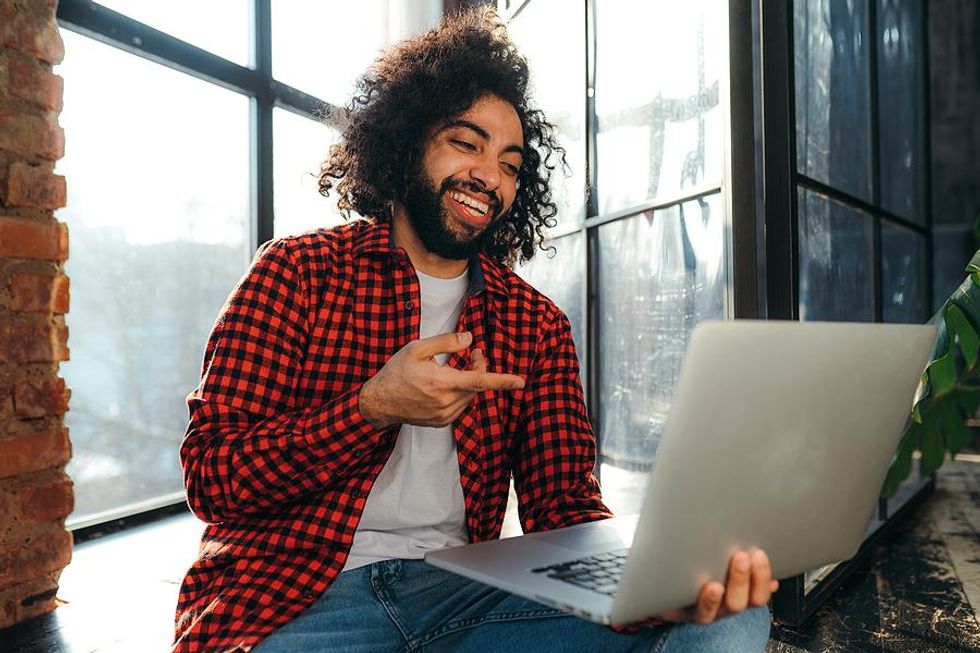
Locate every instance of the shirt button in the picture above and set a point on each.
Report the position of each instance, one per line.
(409, 305)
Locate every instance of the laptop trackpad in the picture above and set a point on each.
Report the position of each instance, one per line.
(605, 535)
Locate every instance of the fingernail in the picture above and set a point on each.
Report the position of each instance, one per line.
(742, 563)
(518, 384)
(476, 352)
(465, 337)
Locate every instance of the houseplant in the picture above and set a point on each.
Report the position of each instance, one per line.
(949, 390)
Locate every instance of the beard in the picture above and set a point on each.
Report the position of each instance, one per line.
(435, 227)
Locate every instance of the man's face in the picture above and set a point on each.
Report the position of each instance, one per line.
(466, 179)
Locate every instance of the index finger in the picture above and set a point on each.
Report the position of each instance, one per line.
(444, 343)
(480, 381)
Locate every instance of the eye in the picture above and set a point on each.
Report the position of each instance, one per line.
(511, 169)
(465, 145)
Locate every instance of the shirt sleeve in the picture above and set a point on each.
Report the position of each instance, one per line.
(553, 470)
(248, 448)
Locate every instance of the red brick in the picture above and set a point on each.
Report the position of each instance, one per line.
(35, 84)
(30, 186)
(8, 613)
(39, 293)
(45, 240)
(46, 555)
(32, 452)
(29, 135)
(31, 342)
(32, 598)
(34, 35)
(47, 501)
(40, 398)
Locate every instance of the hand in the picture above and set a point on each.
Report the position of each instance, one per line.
(412, 388)
(749, 585)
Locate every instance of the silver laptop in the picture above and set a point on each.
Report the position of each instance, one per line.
(779, 436)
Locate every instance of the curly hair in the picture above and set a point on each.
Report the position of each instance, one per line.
(427, 79)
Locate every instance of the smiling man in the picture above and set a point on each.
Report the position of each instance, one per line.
(369, 392)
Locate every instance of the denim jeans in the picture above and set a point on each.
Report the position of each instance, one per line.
(407, 605)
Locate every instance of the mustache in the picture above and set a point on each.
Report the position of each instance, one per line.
(496, 205)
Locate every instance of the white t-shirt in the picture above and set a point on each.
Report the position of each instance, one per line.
(416, 504)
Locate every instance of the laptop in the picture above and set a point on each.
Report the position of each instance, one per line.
(779, 436)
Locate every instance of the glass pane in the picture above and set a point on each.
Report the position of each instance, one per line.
(901, 95)
(903, 275)
(658, 67)
(158, 235)
(219, 26)
(833, 142)
(299, 146)
(659, 275)
(323, 47)
(562, 279)
(558, 78)
(836, 281)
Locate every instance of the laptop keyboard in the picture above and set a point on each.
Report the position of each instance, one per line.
(599, 573)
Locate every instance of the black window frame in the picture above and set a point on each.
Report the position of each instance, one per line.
(265, 94)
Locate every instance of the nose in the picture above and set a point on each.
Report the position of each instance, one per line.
(486, 171)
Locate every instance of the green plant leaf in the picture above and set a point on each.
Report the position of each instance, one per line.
(921, 397)
(967, 298)
(955, 430)
(933, 451)
(968, 397)
(942, 370)
(961, 329)
(901, 465)
(974, 264)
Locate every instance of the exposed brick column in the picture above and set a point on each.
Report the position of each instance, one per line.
(35, 493)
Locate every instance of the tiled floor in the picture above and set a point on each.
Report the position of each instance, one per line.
(919, 592)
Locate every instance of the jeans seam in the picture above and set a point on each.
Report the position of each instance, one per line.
(662, 642)
(390, 609)
(472, 622)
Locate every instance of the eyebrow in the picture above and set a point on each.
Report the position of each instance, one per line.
(481, 132)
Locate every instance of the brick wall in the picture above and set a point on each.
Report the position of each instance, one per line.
(35, 493)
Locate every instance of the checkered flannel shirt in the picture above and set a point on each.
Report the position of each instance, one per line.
(279, 461)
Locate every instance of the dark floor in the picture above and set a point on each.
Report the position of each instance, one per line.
(918, 592)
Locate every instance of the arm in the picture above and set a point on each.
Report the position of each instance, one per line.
(248, 448)
(556, 454)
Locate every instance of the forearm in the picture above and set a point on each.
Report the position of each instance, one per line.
(557, 453)
(235, 466)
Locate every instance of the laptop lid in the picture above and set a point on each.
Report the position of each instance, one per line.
(779, 436)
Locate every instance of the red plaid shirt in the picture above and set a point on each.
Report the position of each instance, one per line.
(279, 461)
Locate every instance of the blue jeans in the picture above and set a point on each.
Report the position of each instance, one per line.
(407, 605)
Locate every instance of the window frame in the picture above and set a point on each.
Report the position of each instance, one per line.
(740, 227)
(773, 49)
(265, 93)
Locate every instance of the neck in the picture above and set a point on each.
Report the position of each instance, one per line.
(403, 233)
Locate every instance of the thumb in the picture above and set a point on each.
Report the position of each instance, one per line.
(444, 343)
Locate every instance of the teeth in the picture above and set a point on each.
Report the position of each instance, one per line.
(471, 202)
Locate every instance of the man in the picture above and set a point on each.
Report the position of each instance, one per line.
(369, 391)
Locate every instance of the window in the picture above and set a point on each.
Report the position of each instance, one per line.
(641, 248)
(860, 137)
(181, 160)
(158, 220)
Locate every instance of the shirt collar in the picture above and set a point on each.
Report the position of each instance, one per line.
(484, 272)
